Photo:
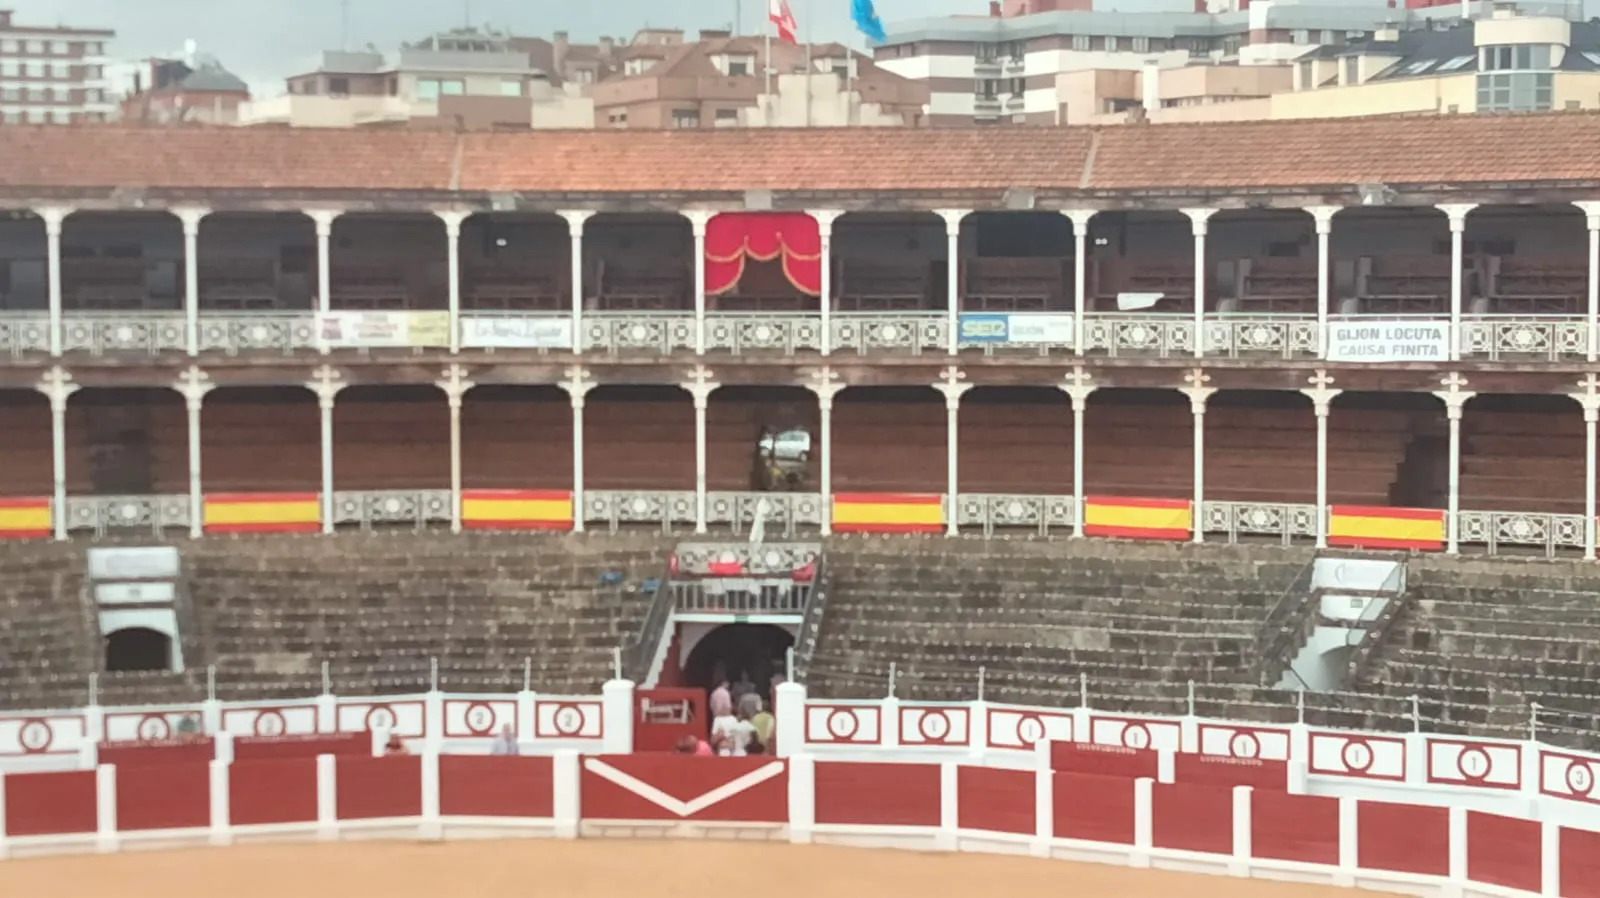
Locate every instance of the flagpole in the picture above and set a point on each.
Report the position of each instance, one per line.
(810, 37)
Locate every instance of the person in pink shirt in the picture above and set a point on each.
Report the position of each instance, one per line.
(721, 700)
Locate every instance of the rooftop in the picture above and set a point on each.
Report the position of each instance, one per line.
(1235, 157)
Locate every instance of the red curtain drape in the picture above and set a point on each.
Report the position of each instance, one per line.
(732, 237)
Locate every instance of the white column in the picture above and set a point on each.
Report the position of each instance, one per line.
(1454, 399)
(1591, 212)
(191, 218)
(698, 218)
(452, 219)
(193, 385)
(700, 387)
(576, 218)
(1080, 273)
(1589, 400)
(578, 384)
(951, 386)
(1321, 395)
(53, 218)
(952, 231)
(57, 385)
(1323, 215)
(825, 383)
(1198, 223)
(1458, 227)
(1198, 394)
(825, 219)
(326, 383)
(1079, 384)
(323, 219)
(455, 385)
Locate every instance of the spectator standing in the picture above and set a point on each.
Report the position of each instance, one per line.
(742, 688)
(505, 743)
(732, 735)
(764, 723)
(721, 700)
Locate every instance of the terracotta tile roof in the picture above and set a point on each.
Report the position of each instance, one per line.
(1396, 151)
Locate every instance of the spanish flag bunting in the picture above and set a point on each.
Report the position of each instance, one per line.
(888, 513)
(516, 509)
(262, 513)
(25, 518)
(1372, 527)
(1125, 518)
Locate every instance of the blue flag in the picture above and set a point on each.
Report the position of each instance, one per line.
(866, 21)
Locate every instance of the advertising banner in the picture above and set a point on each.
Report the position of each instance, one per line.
(383, 330)
(1016, 328)
(516, 333)
(1387, 342)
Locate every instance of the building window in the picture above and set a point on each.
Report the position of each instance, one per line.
(1307, 75)
(454, 87)
(60, 94)
(1111, 44)
(35, 70)
(1140, 44)
(1327, 37)
(510, 87)
(35, 47)
(1515, 92)
(60, 116)
(60, 70)
(35, 95)
(727, 118)
(338, 87)
(1517, 58)
(59, 48)
(1081, 42)
(986, 52)
(36, 116)
(10, 94)
(8, 46)
(618, 119)
(96, 48)
(9, 68)
(1352, 70)
(685, 118)
(1458, 62)
(737, 67)
(1300, 36)
(427, 88)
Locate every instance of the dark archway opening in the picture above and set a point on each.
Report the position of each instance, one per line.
(736, 650)
(138, 648)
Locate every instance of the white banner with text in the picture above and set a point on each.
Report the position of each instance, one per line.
(1387, 342)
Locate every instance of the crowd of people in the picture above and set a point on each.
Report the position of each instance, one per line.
(741, 720)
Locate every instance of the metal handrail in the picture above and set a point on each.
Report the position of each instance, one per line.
(1282, 624)
(638, 656)
(805, 642)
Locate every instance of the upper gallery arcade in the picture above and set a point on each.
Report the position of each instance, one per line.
(1472, 239)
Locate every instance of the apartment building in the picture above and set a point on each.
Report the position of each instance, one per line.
(53, 74)
(195, 89)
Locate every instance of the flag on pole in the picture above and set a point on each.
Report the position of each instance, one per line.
(866, 20)
(782, 20)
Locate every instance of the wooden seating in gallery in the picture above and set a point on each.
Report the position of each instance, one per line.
(1016, 284)
(1274, 285)
(642, 282)
(1404, 284)
(46, 650)
(887, 285)
(97, 283)
(763, 287)
(889, 446)
(239, 285)
(1171, 276)
(1137, 619)
(639, 440)
(370, 286)
(265, 441)
(528, 283)
(1537, 285)
(1523, 461)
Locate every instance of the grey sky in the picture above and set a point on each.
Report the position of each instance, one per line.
(263, 40)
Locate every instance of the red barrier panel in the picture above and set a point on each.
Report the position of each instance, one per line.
(1221, 770)
(877, 794)
(51, 804)
(122, 755)
(1191, 818)
(681, 787)
(1103, 760)
(174, 796)
(1580, 863)
(1504, 851)
(370, 788)
(1093, 808)
(278, 791)
(1406, 838)
(1286, 827)
(269, 748)
(478, 786)
(996, 800)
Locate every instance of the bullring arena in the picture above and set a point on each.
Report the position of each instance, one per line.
(1153, 500)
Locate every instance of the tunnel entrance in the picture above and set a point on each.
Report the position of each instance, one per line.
(138, 648)
(735, 651)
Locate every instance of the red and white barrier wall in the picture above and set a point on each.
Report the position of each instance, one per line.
(1072, 801)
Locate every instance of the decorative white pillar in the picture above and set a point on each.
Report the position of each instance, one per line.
(952, 232)
(576, 218)
(326, 383)
(53, 218)
(1591, 213)
(1198, 394)
(1323, 215)
(191, 218)
(323, 219)
(952, 387)
(1589, 399)
(452, 219)
(698, 219)
(577, 385)
(825, 219)
(193, 385)
(58, 387)
(1080, 274)
(1079, 384)
(1454, 399)
(1457, 213)
(826, 384)
(455, 385)
(1321, 395)
(700, 387)
(1198, 224)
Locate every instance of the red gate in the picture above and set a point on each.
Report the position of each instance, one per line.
(663, 716)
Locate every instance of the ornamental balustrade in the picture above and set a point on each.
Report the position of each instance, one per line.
(1225, 335)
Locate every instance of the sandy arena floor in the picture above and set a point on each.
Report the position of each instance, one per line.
(598, 868)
